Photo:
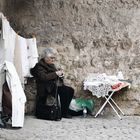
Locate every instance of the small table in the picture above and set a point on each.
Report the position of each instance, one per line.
(106, 89)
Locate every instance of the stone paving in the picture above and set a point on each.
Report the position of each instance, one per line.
(77, 128)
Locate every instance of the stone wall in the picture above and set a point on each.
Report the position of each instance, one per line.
(1, 5)
(90, 36)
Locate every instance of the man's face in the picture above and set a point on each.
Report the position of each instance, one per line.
(50, 60)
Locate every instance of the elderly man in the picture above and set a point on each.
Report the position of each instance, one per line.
(46, 75)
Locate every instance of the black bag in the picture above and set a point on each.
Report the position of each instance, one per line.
(53, 107)
(51, 110)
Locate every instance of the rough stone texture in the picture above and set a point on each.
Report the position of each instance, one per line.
(1, 5)
(90, 36)
(30, 91)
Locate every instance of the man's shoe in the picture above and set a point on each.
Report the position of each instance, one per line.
(68, 116)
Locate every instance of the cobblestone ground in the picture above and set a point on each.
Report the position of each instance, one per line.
(77, 128)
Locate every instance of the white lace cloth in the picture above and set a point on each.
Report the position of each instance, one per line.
(100, 84)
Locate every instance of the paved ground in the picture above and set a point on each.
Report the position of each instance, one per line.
(101, 128)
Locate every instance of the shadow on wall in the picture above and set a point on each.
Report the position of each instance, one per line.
(15, 10)
(17, 5)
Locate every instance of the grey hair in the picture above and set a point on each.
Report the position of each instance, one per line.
(48, 52)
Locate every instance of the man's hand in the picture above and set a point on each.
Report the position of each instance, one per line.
(60, 73)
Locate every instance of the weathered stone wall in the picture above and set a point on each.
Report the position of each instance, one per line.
(1, 5)
(90, 36)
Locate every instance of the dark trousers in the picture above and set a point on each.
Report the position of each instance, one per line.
(66, 94)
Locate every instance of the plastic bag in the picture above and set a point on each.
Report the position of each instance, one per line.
(80, 103)
(88, 103)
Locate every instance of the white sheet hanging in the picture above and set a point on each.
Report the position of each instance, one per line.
(25, 57)
(12, 44)
(8, 38)
(18, 60)
(18, 95)
(21, 61)
(2, 80)
(13, 49)
(5, 27)
(2, 51)
(32, 52)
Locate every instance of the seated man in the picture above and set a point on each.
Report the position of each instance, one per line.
(46, 76)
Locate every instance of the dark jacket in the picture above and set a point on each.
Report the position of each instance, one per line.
(46, 80)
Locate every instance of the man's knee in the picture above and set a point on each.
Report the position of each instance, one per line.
(71, 91)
